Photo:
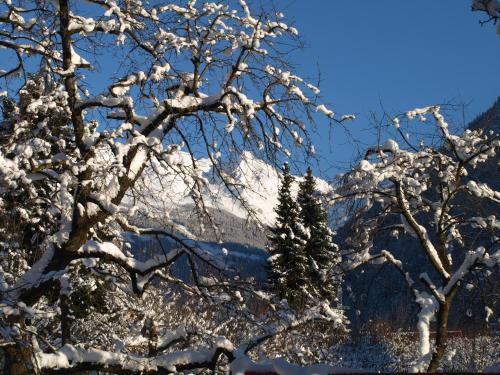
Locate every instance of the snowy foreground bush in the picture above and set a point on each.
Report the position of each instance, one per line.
(395, 352)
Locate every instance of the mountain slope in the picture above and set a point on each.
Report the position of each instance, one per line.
(167, 199)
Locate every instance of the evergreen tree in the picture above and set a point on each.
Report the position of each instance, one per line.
(321, 252)
(288, 262)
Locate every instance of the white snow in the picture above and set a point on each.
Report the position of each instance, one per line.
(482, 190)
(261, 194)
(69, 355)
(108, 249)
(428, 307)
(470, 259)
(33, 276)
(77, 60)
(243, 365)
(390, 145)
(489, 313)
(322, 108)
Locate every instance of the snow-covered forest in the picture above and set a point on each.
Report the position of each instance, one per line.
(156, 216)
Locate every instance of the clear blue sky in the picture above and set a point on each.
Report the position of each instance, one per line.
(391, 55)
(396, 53)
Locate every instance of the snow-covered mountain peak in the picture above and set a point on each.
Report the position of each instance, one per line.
(263, 182)
(169, 191)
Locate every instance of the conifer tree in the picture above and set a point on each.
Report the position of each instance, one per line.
(321, 252)
(288, 262)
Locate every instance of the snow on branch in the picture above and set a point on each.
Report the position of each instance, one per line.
(471, 259)
(428, 192)
(75, 359)
(110, 252)
(420, 232)
(428, 308)
(187, 244)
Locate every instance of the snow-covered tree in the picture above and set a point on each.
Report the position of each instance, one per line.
(492, 10)
(322, 254)
(78, 132)
(433, 195)
(288, 261)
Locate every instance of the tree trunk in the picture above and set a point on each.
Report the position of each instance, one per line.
(19, 357)
(65, 319)
(441, 333)
(19, 361)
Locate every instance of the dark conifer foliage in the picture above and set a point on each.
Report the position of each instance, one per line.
(303, 255)
(288, 261)
(321, 252)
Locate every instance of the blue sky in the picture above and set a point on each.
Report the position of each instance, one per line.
(394, 55)
(387, 55)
